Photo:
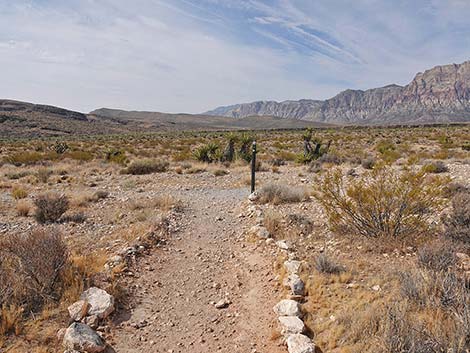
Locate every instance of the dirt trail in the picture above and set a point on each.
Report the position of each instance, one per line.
(174, 296)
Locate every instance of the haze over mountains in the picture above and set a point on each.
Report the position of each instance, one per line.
(438, 95)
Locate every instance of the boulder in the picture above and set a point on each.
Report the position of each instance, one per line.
(282, 244)
(78, 310)
(93, 321)
(100, 302)
(291, 325)
(292, 266)
(287, 307)
(82, 338)
(295, 284)
(298, 343)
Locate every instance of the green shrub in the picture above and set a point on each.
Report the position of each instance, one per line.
(380, 203)
(435, 167)
(24, 158)
(19, 193)
(207, 153)
(80, 156)
(116, 156)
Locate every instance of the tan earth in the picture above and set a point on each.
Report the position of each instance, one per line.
(175, 296)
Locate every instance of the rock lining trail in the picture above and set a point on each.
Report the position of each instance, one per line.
(175, 295)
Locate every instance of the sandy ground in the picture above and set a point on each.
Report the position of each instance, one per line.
(174, 297)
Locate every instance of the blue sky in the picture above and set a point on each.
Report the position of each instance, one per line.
(194, 55)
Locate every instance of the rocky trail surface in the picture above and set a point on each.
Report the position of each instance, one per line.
(210, 291)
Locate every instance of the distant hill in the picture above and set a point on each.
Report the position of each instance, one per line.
(164, 121)
(439, 95)
(20, 119)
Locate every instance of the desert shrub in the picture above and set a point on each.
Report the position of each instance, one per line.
(60, 147)
(146, 166)
(17, 175)
(314, 167)
(19, 193)
(438, 255)
(220, 172)
(83, 156)
(167, 202)
(279, 193)
(433, 318)
(78, 217)
(435, 167)
(23, 208)
(24, 158)
(381, 202)
(50, 207)
(100, 195)
(207, 153)
(116, 156)
(452, 189)
(368, 162)
(457, 223)
(325, 264)
(277, 162)
(388, 151)
(331, 158)
(43, 174)
(33, 263)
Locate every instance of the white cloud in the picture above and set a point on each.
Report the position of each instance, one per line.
(188, 55)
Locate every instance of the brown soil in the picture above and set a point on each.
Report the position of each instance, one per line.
(173, 307)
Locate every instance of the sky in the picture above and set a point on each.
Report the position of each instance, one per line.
(195, 55)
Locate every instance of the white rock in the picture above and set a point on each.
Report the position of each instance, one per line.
(282, 244)
(82, 338)
(292, 266)
(297, 343)
(222, 304)
(287, 307)
(291, 325)
(101, 303)
(78, 310)
(295, 284)
(253, 196)
(260, 232)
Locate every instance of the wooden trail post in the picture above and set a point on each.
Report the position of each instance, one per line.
(253, 167)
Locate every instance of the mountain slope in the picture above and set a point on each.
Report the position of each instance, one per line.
(438, 95)
(20, 119)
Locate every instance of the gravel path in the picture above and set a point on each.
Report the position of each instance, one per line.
(210, 261)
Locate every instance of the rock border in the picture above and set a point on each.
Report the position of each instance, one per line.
(289, 310)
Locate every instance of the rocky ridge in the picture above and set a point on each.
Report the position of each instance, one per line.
(439, 95)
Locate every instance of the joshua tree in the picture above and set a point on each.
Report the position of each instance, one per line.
(311, 153)
(229, 151)
(246, 141)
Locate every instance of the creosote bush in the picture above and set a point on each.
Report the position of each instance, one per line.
(146, 166)
(50, 207)
(33, 264)
(382, 202)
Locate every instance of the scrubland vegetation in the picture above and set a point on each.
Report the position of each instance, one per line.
(382, 217)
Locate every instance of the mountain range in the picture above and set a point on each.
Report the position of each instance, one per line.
(439, 95)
